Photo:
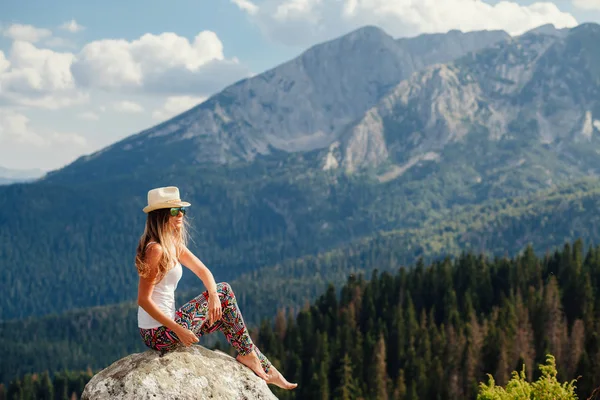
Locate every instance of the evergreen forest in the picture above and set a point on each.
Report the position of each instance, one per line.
(426, 331)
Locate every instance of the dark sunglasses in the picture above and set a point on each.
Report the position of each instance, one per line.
(175, 211)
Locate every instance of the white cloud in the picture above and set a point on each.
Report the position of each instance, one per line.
(165, 63)
(128, 107)
(25, 146)
(35, 69)
(107, 64)
(67, 138)
(587, 4)
(38, 77)
(14, 128)
(89, 115)
(295, 8)
(27, 33)
(72, 26)
(305, 22)
(246, 5)
(52, 101)
(4, 63)
(176, 105)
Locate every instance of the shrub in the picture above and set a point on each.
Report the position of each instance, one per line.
(545, 388)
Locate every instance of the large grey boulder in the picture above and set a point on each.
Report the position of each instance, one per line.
(186, 373)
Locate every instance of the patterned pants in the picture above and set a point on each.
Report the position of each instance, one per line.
(193, 315)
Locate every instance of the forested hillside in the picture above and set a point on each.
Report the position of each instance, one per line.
(545, 220)
(428, 331)
(433, 331)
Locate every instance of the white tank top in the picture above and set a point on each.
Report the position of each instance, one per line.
(163, 296)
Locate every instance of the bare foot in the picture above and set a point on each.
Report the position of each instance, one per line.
(275, 378)
(251, 361)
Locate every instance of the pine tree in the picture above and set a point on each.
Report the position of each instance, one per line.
(396, 341)
(61, 386)
(323, 381)
(574, 348)
(554, 323)
(399, 392)
(523, 349)
(346, 389)
(379, 385)
(502, 374)
(15, 390)
(471, 361)
(45, 389)
(280, 324)
(266, 339)
(412, 392)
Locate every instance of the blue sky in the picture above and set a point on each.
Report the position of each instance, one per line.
(76, 76)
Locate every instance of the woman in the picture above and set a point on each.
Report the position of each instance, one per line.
(160, 253)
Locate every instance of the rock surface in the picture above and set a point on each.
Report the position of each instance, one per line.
(186, 373)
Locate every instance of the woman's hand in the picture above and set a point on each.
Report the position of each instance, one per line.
(214, 308)
(186, 336)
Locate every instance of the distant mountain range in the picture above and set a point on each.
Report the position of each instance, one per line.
(302, 105)
(17, 175)
(357, 136)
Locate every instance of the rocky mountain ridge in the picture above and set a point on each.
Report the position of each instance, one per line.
(369, 101)
(534, 92)
(301, 105)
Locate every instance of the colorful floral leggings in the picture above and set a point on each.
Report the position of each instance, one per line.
(192, 316)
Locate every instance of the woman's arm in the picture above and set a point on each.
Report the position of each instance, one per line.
(146, 286)
(187, 258)
(192, 262)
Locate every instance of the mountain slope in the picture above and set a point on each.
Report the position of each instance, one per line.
(530, 103)
(451, 137)
(301, 105)
(83, 221)
(499, 228)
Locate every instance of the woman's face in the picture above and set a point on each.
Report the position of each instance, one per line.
(176, 222)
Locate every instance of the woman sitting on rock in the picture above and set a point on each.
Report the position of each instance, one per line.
(160, 253)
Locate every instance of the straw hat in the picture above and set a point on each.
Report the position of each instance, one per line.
(164, 197)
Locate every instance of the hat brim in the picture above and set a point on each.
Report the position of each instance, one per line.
(157, 206)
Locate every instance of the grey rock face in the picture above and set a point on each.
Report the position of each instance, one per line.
(186, 373)
(540, 86)
(437, 48)
(301, 105)
(549, 29)
(376, 101)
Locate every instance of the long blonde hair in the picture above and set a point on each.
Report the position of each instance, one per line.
(172, 242)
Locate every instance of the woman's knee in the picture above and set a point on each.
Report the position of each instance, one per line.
(225, 288)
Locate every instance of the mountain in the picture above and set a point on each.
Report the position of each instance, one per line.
(549, 29)
(522, 104)
(507, 120)
(19, 175)
(299, 106)
(83, 220)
